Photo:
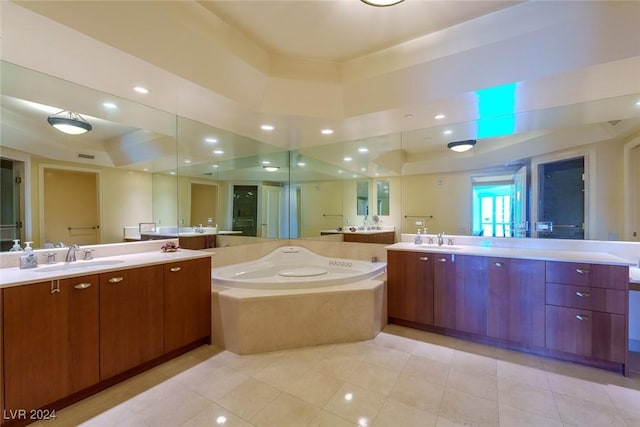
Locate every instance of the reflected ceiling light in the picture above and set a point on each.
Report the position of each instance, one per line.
(146, 169)
(347, 159)
(302, 164)
(638, 103)
(271, 168)
(381, 3)
(142, 90)
(439, 116)
(214, 166)
(267, 127)
(221, 419)
(218, 152)
(69, 122)
(211, 140)
(363, 150)
(326, 131)
(109, 105)
(266, 162)
(462, 146)
(187, 161)
(348, 396)
(363, 169)
(172, 173)
(447, 132)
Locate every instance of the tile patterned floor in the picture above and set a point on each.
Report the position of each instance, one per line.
(403, 377)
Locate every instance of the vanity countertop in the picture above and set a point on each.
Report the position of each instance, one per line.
(356, 232)
(14, 276)
(525, 253)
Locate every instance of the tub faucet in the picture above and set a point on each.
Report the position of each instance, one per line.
(71, 253)
(440, 239)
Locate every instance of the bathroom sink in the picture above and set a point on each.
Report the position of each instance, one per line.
(444, 248)
(78, 265)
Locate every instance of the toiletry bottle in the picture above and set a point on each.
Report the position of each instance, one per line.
(418, 239)
(16, 246)
(29, 258)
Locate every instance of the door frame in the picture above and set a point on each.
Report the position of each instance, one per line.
(25, 193)
(631, 202)
(99, 180)
(589, 186)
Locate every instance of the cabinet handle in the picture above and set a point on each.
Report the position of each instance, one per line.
(582, 271)
(583, 294)
(582, 317)
(82, 285)
(442, 260)
(424, 258)
(55, 286)
(116, 279)
(499, 264)
(174, 269)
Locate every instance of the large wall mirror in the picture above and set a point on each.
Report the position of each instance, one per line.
(151, 167)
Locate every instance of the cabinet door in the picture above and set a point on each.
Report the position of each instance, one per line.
(187, 302)
(461, 293)
(131, 318)
(410, 286)
(586, 333)
(517, 300)
(50, 341)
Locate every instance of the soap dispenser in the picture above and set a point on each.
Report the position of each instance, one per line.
(16, 246)
(29, 258)
(418, 239)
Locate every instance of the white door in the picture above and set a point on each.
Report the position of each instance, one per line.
(272, 209)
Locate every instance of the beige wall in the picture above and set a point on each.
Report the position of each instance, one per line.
(316, 199)
(165, 195)
(203, 203)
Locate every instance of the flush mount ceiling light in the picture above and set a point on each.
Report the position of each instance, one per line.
(462, 146)
(271, 168)
(69, 122)
(381, 3)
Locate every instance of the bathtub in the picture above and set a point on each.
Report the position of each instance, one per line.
(294, 267)
(294, 298)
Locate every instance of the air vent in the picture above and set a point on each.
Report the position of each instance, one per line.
(86, 156)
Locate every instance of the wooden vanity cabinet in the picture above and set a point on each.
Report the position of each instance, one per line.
(385, 237)
(410, 286)
(461, 293)
(131, 318)
(586, 311)
(50, 341)
(187, 302)
(516, 310)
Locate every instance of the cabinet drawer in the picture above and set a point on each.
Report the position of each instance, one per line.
(586, 297)
(595, 275)
(586, 333)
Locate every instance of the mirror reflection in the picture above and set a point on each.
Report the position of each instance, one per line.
(144, 173)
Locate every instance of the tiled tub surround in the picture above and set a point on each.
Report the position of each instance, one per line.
(254, 320)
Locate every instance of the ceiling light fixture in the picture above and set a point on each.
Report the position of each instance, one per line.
(347, 159)
(326, 131)
(363, 150)
(267, 127)
(439, 116)
(271, 168)
(142, 90)
(69, 122)
(381, 3)
(462, 146)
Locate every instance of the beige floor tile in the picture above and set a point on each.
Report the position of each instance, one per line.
(374, 378)
(528, 398)
(428, 369)
(327, 419)
(398, 414)
(395, 342)
(466, 409)
(580, 412)
(248, 398)
(484, 386)
(213, 383)
(118, 416)
(474, 364)
(514, 417)
(337, 366)
(445, 422)
(387, 358)
(581, 389)
(518, 358)
(315, 387)
(415, 391)
(246, 364)
(521, 373)
(216, 415)
(168, 406)
(286, 410)
(476, 348)
(434, 352)
(356, 404)
(283, 375)
(624, 398)
(631, 417)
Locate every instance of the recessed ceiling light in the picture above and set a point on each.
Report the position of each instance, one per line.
(173, 173)
(439, 116)
(301, 164)
(218, 152)
(377, 174)
(267, 127)
(339, 171)
(109, 105)
(187, 161)
(363, 169)
(266, 162)
(447, 132)
(214, 166)
(347, 159)
(355, 175)
(326, 131)
(271, 168)
(348, 396)
(142, 90)
(638, 103)
(462, 146)
(146, 169)
(363, 150)
(211, 140)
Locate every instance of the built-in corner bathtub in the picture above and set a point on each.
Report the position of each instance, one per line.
(292, 298)
(294, 267)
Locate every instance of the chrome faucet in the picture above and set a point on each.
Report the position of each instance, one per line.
(440, 239)
(71, 253)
